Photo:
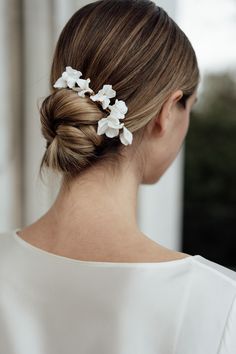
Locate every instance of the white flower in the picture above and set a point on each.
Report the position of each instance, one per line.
(118, 109)
(110, 126)
(68, 78)
(126, 137)
(103, 95)
(83, 87)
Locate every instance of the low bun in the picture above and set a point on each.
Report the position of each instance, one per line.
(69, 125)
(135, 47)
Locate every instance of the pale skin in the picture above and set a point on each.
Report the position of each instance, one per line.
(96, 220)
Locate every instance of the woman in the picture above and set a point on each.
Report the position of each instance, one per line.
(83, 278)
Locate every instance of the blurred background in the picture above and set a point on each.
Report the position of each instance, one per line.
(209, 220)
(193, 207)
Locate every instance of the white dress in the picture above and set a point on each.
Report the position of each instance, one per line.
(50, 304)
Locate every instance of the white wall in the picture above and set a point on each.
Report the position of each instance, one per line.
(37, 36)
(10, 115)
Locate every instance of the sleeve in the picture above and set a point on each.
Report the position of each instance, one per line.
(228, 340)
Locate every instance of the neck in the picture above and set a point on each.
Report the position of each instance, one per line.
(98, 204)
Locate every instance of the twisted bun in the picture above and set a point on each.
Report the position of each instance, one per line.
(69, 125)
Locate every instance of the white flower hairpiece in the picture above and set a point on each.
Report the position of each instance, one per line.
(68, 78)
(110, 126)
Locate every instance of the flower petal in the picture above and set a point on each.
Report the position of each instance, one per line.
(60, 83)
(118, 109)
(70, 70)
(126, 137)
(121, 106)
(102, 126)
(68, 78)
(108, 91)
(113, 122)
(94, 97)
(71, 82)
(65, 76)
(105, 102)
(82, 83)
(83, 87)
(111, 133)
(73, 73)
(81, 93)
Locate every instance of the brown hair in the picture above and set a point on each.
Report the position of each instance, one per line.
(132, 45)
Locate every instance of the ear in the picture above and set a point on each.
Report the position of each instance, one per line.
(163, 119)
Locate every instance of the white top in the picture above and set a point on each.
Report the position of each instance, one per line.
(51, 304)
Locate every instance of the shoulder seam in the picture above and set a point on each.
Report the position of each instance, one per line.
(217, 271)
(226, 322)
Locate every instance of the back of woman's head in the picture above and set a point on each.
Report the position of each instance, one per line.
(133, 46)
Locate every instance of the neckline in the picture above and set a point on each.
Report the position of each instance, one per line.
(57, 257)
